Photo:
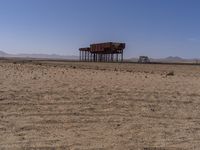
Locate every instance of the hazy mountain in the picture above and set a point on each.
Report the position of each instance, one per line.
(172, 59)
(3, 54)
(46, 56)
(39, 56)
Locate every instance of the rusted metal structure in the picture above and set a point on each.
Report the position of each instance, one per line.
(103, 52)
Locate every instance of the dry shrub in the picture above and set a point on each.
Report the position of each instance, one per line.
(171, 73)
(39, 64)
(128, 70)
(73, 67)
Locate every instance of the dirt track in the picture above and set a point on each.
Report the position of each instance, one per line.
(99, 106)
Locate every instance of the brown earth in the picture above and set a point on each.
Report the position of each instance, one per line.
(71, 105)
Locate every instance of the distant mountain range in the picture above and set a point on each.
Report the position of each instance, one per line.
(55, 56)
(170, 59)
(38, 56)
(2, 54)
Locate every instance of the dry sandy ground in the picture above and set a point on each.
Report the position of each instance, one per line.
(99, 106)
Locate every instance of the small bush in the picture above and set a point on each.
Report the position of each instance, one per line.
(171, 73)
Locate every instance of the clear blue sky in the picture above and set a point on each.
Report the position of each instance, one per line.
(157, 28)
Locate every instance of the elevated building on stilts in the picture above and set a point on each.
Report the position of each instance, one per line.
(103, 52)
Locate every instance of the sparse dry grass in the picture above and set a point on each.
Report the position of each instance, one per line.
(59, 105)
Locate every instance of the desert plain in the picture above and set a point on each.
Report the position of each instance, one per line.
(96, 106)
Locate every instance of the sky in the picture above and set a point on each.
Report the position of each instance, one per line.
(156, 28)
